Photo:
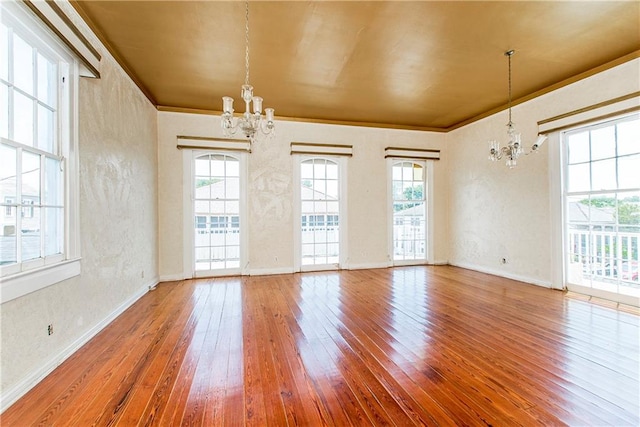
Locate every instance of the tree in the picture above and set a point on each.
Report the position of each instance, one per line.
(600, 202)
(207, 181)
(409, 193)
(413, 193)
(627, 212)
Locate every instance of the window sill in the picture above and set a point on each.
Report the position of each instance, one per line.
(24, 283)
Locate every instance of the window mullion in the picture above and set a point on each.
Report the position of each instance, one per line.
(19, 205)
(61, 113)
(10, 85)
(615, 136)
(11, 115)
(33, 150)
(34, 98)
(590, 161)
(41, 206)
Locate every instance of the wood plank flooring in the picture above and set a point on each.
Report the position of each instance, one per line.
(404, 346)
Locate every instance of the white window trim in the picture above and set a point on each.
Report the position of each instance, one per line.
(429, 211)
(554, 126)
(39, 274)
(188, 254)
(341, 161)
(30, 281)
(556, 194)
(557, 176)
(68, 34)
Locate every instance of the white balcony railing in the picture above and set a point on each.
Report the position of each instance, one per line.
(605, 257)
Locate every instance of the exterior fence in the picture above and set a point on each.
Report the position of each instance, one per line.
(606, 256)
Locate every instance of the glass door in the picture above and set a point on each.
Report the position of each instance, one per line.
(409, 235)
(217, 223)
(320, 213)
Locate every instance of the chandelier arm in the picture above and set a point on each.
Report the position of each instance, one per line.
(266, 128)
(229, 128)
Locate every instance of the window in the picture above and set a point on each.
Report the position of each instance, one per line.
(201, 223)
(219, 224)
(602, 206)
(37, 162)
(320, 212)
(408, 203)
(27, 207)
(8, 203)
(217, 189)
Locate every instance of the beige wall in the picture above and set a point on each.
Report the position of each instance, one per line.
(500, 213)
(270, 190)
(118, 227)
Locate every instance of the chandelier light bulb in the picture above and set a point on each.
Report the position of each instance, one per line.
(227, 104)
(257, 105)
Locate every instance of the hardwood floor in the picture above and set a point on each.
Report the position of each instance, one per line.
(404, 346)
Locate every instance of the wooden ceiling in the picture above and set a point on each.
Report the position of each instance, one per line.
(407, 64)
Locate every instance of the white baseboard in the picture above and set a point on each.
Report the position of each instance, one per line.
(364, 266)
(369, 265)
(517, 277)
(171, 277)
(270, 271)
(440, 262)
(9, 397)
(601, 294)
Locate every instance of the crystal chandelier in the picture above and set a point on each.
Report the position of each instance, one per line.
(250, 124)
(513, 149)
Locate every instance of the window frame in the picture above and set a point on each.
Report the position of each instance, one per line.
(28, 276)
(188, 165)
(341, 162)
(427, 183)
(560, 165)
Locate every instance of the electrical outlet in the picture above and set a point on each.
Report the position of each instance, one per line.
(50, 330)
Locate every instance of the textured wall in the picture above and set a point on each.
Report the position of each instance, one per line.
(497, 212)
(270, 190)
(118, 227)
(130, 188)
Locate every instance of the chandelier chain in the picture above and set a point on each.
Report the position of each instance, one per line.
(250, 123)
(509, 54)
(246, 51)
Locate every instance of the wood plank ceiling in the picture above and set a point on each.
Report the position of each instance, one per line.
(425, 65)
